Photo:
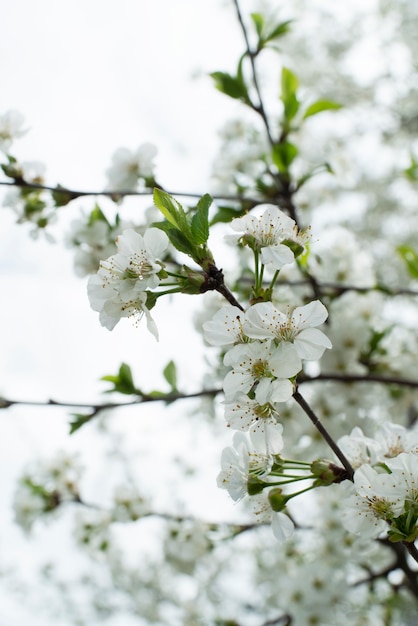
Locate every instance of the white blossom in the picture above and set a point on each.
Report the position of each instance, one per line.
(264, 321)
(11, 128)
(269, 227)
(265, 365)
(128, 167)
(237, 463)
(225, 328)
(119, 289)
(261, 421)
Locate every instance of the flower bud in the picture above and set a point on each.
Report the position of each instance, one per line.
(326, 473)
(277, 499)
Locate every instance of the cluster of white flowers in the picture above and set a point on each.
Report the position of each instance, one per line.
(241, 159)
(384, 496)
(264, 349)
(120, 287)
(128, 167)
(44, 487)
(129, 504)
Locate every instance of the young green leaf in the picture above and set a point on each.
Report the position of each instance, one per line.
(319, 106)
(258, 21)
(278, 31)
(123, 381)
(170, 374)
(181, 242)
(200, 220)
(411, 172)
(289, 86)
(169, 207)
(232, 86)
(61, 196)
(79, 421)
(283, 155)
(227, 214)
(410, 257)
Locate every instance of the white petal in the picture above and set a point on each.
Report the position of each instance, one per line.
(282, 526)
(312, 314)
(311, 344)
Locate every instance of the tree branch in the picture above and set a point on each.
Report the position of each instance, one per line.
(359, 378)
(325, 434)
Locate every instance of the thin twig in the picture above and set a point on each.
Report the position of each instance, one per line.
(251, 55)
(122, 193)
(360, 378)
(96, 408)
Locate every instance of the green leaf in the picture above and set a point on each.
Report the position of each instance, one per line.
(283, 155)
(200, 220)
(79, 421)
(410, 257)
(411, 172)
(181, 242)
(62, 196)
(97, 215)
(170, 374)
(278, 31)
(123, 381)
(232, 86)
(170, 208)
(227, 214)
(258, 21)
(321, 105)
(289, 85)
(125, 376)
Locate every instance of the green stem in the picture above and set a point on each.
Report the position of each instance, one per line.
(273, 280)
(291, 480)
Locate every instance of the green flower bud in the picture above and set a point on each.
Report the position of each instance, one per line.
(326, 473)
(192, 281)
(277, 499)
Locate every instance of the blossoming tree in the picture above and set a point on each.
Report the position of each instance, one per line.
(307, 311)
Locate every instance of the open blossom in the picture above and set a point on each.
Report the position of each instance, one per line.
(358, 448)
(11, 124)
(265, 230)
(265, 365)
(119, 287)
(128, 167)
(237, 463)
(382, 497)
(260, 419)
(264, 321)
(226, 327)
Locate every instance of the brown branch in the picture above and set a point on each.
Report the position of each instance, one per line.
(96, 408)
(74, 194)
(325, 434)
(252, 55)
(359, 378)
